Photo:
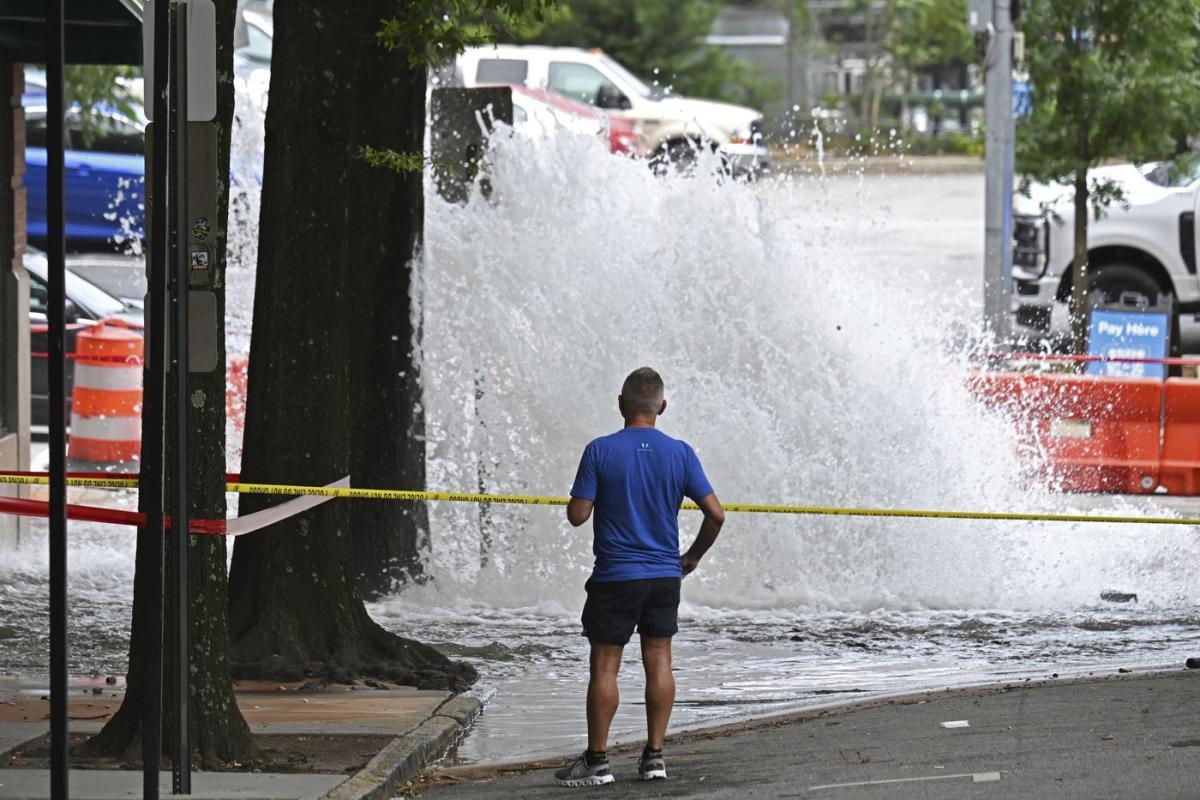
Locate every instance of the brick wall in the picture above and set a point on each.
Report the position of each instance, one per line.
(14, 292)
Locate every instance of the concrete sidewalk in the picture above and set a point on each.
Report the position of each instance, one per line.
(416, 726)
(117, 785)
(1127, 736)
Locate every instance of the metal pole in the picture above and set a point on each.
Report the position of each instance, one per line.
(789, 12)
(181, 773)
(998, 115)
(152, 537)
(60, 763)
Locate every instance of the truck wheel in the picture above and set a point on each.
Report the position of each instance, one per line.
(1116, 279)
(678, 155)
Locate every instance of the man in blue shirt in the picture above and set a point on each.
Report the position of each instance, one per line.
(635, 480)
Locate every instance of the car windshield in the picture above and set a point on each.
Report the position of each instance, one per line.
(1177, 173)
(100, 130)
(91, 299)
(632, 81)
(259, 46)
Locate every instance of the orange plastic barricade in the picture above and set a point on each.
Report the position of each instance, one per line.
(237, 375)
(1082, 433)
(1181, 436)
(106, 403)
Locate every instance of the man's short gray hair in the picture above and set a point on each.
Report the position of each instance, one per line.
(643, 391)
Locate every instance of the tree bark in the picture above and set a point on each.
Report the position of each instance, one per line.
(384, 226)
(335, 239)
(876, 98)
(1079, 275)
(217, 730)
(869, 63)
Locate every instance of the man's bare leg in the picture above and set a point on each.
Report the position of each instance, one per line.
(660, 688)
(602, 695)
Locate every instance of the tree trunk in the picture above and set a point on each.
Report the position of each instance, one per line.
(1079, 278)
(964, 113)
(876, 98)
(327, 241)
(217, 730)
(869, 63)
(383, 232)
(789, 14)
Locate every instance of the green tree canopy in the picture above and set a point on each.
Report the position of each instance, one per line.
(1109, 79)
(930, 34)
(431, 32)
(94, 86)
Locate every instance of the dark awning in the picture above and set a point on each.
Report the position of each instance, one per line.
(98, 31)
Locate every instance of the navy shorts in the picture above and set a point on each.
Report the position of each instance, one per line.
(614, 608)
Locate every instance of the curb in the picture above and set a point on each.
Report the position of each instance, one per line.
(408, 754)
(880, 165)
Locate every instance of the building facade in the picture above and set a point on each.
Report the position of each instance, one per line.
(819, 55)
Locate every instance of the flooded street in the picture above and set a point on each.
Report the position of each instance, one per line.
(810, 335)
(731, 665)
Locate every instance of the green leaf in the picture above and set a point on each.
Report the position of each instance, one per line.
(431, 32)
(95, 89)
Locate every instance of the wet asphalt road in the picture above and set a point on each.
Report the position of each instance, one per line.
(1120, 736)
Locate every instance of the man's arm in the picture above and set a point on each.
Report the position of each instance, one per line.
(714, 518)
(578, 511)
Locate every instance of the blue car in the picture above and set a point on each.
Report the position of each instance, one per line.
(105, 177)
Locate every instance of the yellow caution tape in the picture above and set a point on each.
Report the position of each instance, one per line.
(395, 494)
(528, 500)
(99, 483)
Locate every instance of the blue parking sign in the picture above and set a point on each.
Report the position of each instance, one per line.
(1128, 334)
(1022, 98)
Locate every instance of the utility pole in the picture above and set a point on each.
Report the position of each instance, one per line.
(60, 759)
(179, 46)
(993, 19)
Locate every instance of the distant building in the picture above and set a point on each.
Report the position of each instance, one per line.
(827, 65)
(759, 33)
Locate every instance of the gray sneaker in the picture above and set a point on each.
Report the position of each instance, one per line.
(580, 774)
(651, 767)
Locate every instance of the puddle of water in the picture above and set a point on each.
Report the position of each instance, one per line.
(762, 664)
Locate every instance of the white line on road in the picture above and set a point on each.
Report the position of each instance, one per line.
(976, 777)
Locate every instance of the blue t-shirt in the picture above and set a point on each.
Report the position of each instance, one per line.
(637, 478)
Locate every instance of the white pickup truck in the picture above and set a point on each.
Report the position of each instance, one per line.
(669, 126)
(1145, 243)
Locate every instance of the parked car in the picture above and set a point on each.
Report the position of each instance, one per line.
(254, 33)
(538, 113)
(104, 175)
(105, 167)
(673, 127)
(86, 304)
(1145, 243)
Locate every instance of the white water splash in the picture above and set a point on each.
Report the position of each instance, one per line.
(245, 199)
(803, 366)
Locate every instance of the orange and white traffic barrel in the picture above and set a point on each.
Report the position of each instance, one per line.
(106, 402)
